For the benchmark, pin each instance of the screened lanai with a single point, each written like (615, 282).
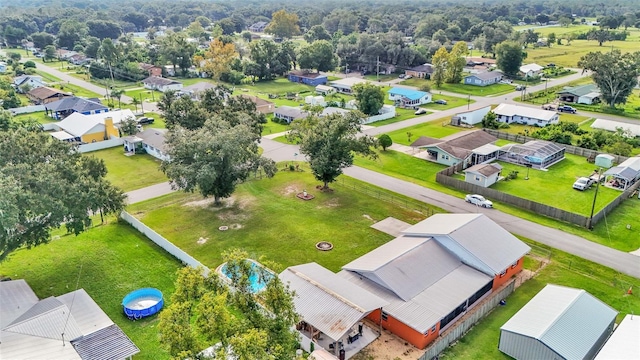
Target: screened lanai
(537, 153)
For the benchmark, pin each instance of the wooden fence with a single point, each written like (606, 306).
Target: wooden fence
(462, 326)
(613, 204)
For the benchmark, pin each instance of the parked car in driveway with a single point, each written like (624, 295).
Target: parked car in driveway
(145, 120)
(567, 109)
(441, 102)
(478, 200)
(420, 111)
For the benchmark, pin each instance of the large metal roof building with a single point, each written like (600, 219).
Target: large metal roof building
(624, 344)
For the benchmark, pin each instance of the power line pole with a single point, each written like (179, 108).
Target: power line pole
(378, 69)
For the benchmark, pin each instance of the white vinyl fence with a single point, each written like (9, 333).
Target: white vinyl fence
(84, 148)
(27, 109)
(162, 242)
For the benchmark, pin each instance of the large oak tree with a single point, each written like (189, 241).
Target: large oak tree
(616, 74)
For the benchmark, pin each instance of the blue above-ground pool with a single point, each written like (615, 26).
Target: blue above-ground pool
(142, 303)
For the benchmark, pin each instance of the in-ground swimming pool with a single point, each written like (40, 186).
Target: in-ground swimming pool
(142, 302)
(257, 284)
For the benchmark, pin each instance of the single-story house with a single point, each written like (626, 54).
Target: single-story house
(258, 27)
(306, 77)
(623, 344)
(333, 110)
(345, 85)
(484, 175)
(509, 113)
(3, 67)
(325, 90)
(624, 175)
(434, 272)
(484, 78)
(195, 90)
(30, 81)
(539, 154)
(44, 95)
(152, 70)
(69, 105)
(421, 71)
(161, 84)
(63, 54)
(87, 129)
(152, 141)
(558, 323)
(613, 125)
(289, 113)
(583, 94)
(331, 309)
(457, 150)
(408, 98)
(69, 326)
(475, 60)
(531, 70)
(263, 106)
(470, 117)
(79, 59)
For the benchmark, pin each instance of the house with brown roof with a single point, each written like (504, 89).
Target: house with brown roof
(459, 149)
(263, 106)
(44, 95)
(421, 71)
(152, 70)
(484, 175)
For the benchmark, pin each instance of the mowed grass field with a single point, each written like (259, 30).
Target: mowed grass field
(130, 172)
(267, 219)
(435, 129)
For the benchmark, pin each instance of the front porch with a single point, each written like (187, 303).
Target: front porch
(351, 343)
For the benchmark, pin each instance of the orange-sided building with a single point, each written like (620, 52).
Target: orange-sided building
(435, 271)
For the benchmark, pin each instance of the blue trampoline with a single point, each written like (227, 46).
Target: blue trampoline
(142, 303)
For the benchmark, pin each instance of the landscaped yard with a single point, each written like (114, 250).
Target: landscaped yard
(434, 129)
(272, 127)
(564, 269)
(59, 84)
(39, 116)
(144, 94)
(278, 86)
(266, 218)
(524, 129)
(452, 102)
(107, 261)
(130, 172)
(495, 89)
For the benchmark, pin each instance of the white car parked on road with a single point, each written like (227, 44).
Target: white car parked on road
(478, 200)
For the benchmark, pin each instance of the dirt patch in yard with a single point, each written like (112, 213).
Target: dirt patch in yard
(332, 203)
(389, 347)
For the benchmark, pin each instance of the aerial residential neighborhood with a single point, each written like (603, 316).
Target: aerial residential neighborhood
(319, 180)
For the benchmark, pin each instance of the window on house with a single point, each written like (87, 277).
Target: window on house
(385, 316)
(477, 178)
(503, 273)
(515, 264)
(433, 329)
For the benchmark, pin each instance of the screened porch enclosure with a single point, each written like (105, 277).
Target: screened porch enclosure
(538, 154)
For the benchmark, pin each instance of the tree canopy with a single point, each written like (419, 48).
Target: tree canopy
(509, 57)
(616, 74)
(217, 59)
(329, 142)
(283, 24)
(369, 98)
(44, 184)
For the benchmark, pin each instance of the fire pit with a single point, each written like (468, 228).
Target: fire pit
(324, 246)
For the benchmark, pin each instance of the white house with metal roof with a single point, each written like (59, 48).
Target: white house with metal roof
(435, 272)
(70, 326)
(558, 323)
(530, 70)
(624, 343)
(524, 115)
(345, 85)
(409, 98)
(630, 129)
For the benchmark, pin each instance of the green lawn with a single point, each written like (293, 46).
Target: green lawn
(524, 129)
(495, 89)
(272, 127)
(266, 218)
(110, 261)
(452, 102)
(401, 115)
(59, 84)
(569, 55)
(607, 285)
(130, 172)
(381, 78)
(434, 129)
(144, 94)
(278, 86)
(39, 116)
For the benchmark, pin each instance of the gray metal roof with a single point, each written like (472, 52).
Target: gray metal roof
(326, 301)
(487, 75)
(569, 321)
(87, 314)
(293, 112)
(624, 344)
(153, 137)
(428, 307)
(15, 297)
(474, 238)
(49, 318)
(384, 254)
(404, 274)
(109, 343)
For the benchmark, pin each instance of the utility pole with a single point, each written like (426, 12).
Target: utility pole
(595, 196)
(468, 101)
(346, 70)
(378, 69)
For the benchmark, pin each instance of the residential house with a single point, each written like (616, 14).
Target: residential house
(27, 82)
(333, 110)
(63, 54)
(623, 343)
(258, 27)
(79, 59)
(436, 271)
(161, 84)
(308, 78)
(85, 129)
(345, 85)
(480, 61)
(531, 70)
(484, 175)
(3, 67)
(325, 90)
(197, 89)
(470, 117)
(151, 69)
(538, 154)
(289, 114)
(421, 71)
(331, 309)
(45, 95)
(62, 108)
(152, 141)
(624, 175)
(407, 98)
(582, 94)
(459, 149)
(558, 323)
(69, 326)
(632, 130)
(509, 114)
(262, 106)
(484, 78)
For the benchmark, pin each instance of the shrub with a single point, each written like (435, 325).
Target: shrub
(385, 141)
(29, 64)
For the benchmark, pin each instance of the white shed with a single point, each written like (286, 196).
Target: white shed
(558, 323)
(605, 160)
(470, 117)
